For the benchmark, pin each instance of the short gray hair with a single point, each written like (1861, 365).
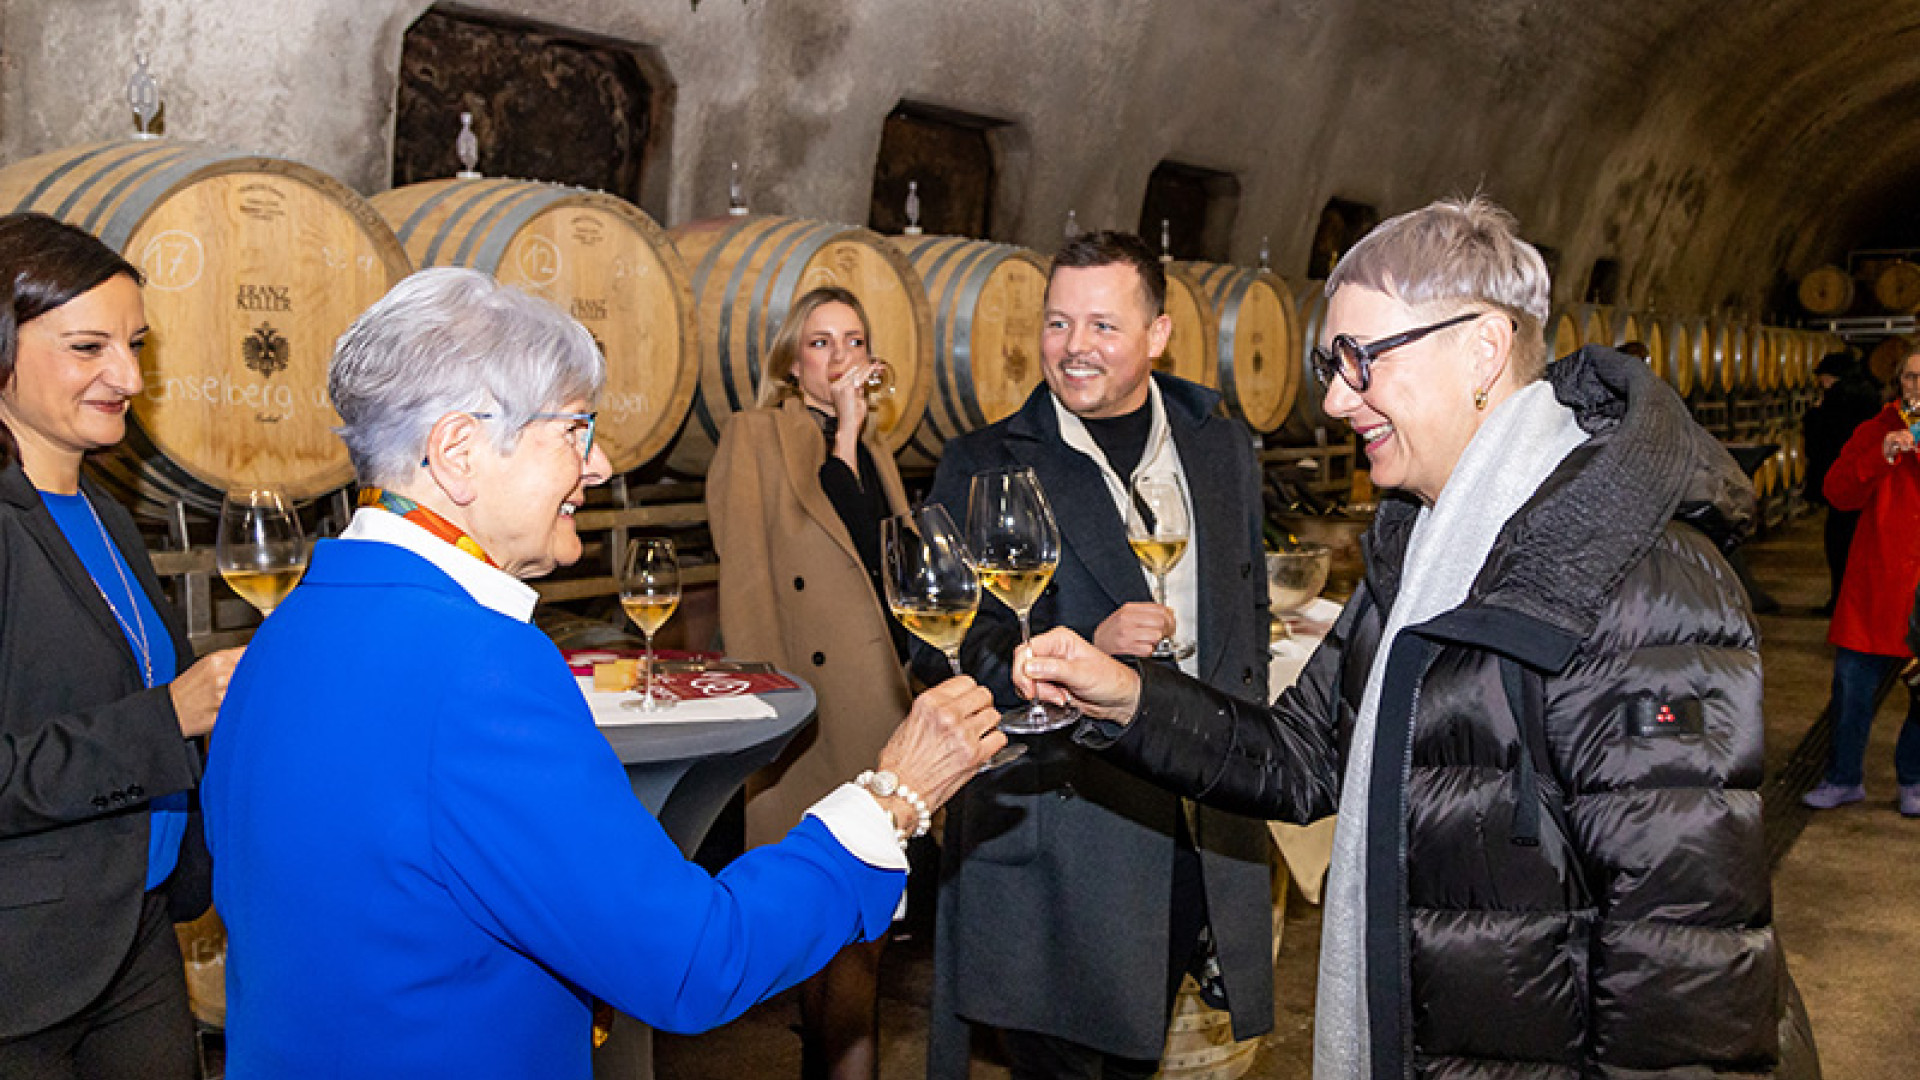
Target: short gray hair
(451, 340)
(1459, 251)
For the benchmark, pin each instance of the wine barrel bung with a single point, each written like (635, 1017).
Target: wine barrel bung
(596, 257)
(1256, 340)
(746, 273)
(1826, 290)
(1193, 352)
(987, 301)
(253, 266)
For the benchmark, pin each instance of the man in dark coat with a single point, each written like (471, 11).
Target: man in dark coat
(1074, 896)
(1848, 398)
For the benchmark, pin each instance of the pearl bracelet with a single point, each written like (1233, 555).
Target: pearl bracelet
(883, 784)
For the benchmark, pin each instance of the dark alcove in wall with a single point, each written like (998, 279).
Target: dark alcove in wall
(547, 104)
(950, 156)
(1342, 224)
(1198, 207)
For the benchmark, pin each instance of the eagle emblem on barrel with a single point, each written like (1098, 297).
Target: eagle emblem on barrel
(265, 350)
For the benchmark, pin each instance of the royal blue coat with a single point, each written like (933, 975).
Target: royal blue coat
(428, 858)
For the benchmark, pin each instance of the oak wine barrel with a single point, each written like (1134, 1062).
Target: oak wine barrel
(1654, 335)
(1689, 346)
(987, 301)
(596, 257)
(1896, 286)
(1563, 333)
(1192, 352)
(746, 272)
(1256, 341)
(1309, 416)
(1885, 359)
(1826, 290)
(253, 266)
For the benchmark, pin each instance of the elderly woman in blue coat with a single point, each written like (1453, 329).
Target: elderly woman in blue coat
(1539, 717)
(428, 857)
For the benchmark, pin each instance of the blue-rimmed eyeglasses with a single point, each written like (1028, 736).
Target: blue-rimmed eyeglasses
(1353, 361)
(582, 437)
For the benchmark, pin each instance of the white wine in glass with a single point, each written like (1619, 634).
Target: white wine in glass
(931, 588)
(1158, 531)
(258, 546)
(649, 593)
(1015, 546)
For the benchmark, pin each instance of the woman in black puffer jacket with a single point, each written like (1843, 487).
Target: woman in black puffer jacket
(1539, 717)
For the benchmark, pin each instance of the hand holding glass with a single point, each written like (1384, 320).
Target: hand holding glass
(1015, 546)
(649, 592)
(1158, 532)
(931, 588)
(258, 546)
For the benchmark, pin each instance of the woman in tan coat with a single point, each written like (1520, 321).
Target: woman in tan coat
(795, 496)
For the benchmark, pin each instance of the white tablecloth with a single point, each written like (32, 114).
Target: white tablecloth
(1308, 849)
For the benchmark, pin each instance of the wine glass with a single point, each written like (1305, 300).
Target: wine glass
(1158, 532)
(649, 591)
(879, 382)
(258, 547)
(931, 587)
(1295, 575)
(1015, 546)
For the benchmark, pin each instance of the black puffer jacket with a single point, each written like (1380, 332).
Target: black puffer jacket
(1566, 876)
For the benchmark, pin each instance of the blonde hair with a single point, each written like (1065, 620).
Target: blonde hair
(777, 382)
(1465, 251)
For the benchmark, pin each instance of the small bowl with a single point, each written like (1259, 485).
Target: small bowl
(1295, 576)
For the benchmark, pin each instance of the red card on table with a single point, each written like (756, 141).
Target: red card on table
(692, 676)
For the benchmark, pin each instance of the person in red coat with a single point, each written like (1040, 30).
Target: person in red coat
(1877, 474)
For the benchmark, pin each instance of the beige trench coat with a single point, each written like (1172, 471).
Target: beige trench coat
(793, 591)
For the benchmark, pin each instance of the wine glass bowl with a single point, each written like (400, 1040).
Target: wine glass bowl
(649, 593)
(1015, 546)
(258, 546)
(879, 380)
(1295, 576)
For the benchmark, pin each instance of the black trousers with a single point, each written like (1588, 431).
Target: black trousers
(1033, 1056)
(139, 1028)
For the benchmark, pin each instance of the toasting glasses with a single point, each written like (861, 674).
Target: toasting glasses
(931, 586)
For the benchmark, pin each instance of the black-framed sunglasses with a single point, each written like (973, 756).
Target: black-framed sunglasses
(1353, 361)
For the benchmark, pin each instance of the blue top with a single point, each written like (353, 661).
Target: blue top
(116, 579)
(429, 857)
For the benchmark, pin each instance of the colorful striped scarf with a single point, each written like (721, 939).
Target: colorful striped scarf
(426, 519)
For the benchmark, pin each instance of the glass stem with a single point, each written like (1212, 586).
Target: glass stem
(646, 691)
(953, 660)
(1034, 708)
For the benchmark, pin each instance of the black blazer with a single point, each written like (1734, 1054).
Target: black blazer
(83, 748)
(1059, 867)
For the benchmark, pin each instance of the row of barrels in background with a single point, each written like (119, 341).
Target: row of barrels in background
(255, 265)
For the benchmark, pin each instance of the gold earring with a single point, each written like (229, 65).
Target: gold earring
(1480, 399)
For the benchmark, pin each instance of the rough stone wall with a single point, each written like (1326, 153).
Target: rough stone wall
(1703, 148)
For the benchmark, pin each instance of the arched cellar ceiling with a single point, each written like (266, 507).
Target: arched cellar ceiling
(1708, 147)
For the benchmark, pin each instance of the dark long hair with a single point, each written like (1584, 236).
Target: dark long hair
(44, 263)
